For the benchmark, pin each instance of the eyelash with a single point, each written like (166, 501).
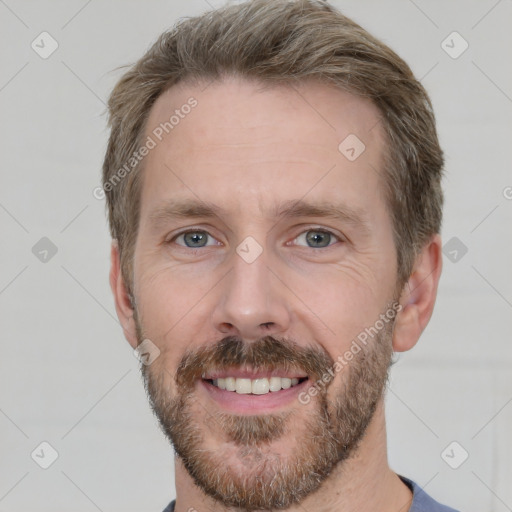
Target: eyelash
(317, 230)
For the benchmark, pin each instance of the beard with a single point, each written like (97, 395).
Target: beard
(269, 461)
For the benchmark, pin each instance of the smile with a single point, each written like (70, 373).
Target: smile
(262, 386)
(247, 391)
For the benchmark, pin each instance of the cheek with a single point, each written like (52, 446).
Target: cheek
(330, 298)
(342, 300)
(170, 303)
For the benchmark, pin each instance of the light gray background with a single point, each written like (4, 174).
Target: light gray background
(67, 375)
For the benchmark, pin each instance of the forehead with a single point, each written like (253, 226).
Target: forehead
(261, 143)
(239, 108)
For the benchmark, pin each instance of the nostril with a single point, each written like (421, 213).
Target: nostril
(225, 328)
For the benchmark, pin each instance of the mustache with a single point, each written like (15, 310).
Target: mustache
(268, 353)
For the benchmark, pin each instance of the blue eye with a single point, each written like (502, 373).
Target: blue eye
(317, 238)
(194, 239)
(313, 238)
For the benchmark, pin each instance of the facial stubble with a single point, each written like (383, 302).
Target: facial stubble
(242, 468)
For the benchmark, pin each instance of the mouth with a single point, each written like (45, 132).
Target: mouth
(250, 392)
(260, 386)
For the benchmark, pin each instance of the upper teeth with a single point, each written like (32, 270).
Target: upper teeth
(255, 386)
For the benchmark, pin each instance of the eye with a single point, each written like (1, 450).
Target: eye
(317, 238)
(193, 239)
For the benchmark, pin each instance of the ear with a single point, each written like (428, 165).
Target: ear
(122, 301)
(418, 296)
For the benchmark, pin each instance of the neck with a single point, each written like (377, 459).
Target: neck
(362, 483)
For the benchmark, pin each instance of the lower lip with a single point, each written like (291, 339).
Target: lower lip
(256, 404)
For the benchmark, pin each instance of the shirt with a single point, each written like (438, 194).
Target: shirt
(421, 501)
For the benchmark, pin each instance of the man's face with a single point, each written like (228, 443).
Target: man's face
(250, 281)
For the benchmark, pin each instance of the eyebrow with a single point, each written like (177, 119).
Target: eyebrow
(194, 209)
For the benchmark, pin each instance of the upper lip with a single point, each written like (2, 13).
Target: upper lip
(247, 373)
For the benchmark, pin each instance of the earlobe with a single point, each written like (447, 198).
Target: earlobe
(122, 300)
(418, 296)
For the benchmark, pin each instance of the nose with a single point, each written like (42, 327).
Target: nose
(252, 301)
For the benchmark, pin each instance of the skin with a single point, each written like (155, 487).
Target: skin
(248, 149)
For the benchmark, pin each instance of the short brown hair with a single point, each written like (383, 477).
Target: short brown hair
(284, 41)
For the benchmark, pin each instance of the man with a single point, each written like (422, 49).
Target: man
(273, 188)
